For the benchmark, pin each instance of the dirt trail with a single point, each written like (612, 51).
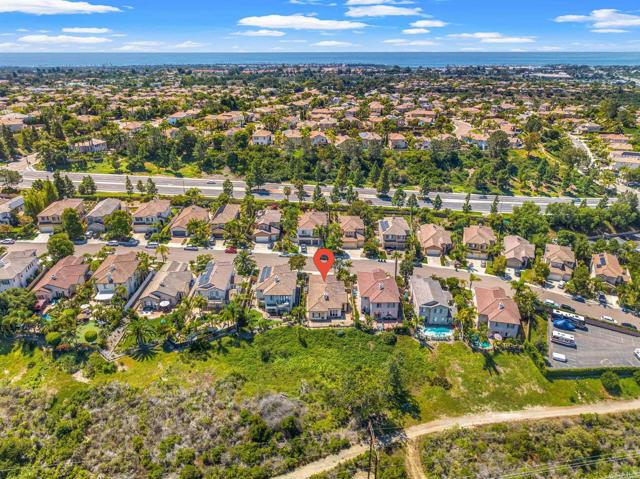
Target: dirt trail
(415, 432)
(412, 461)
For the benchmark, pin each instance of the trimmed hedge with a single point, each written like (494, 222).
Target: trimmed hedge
(561, 373)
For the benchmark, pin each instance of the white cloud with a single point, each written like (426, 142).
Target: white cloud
(333, 44)
(140, 46)
(549, 49)
(415, 31)
(382, 11)
(189, 44)
(62, 39)
(299, 22)
(429, 24)
(293, 41)
(86, 30)
(604, 18)
(53, 7)
(491, 37)
(261, 33)
(609, 30)
(401, 42)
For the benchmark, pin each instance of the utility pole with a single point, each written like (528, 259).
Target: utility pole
(372, 450)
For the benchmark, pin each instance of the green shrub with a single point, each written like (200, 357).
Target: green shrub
(91, 335)
(53, 339)
(636, 377)
(185, 456)
(96, 364)
(611, 382)
(190, 472)
(389, 339)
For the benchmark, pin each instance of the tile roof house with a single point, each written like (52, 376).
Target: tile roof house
(62, 280)
(430, 302)
(607, 267)
(479, 239)
(397, 141)
(379, 297)
(369, 139)
(96, 217)
(90, 146)
(277, 289)
(499, 312)
(17, 269)
(51, 217)
(434, 240)
(215, 284)
(119, 270)
(149, 215)
(308, 223)
(518, 252)
(178, 225)
(327, 302)
(393, 232)
(267, 226)
(561, 261)
(168, 287)
(223, 215)
(262, 137)
(352, 231)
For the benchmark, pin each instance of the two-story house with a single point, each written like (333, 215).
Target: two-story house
(518, 252)
(394, 233)
(223, 215)
(18, 268)
(262, 138)
(606, 267)
(352, 231)
(267, 226)
(431, 303)
(308, 224)
(379, 297)
(115, 272)
(62, 280)
(215, 284)
(9, 207)
(277, 289)
(499, 312)
(434, 240)
(327, 302)
(150, 216)
(479, 241)
(51, 217)
(96, 217)
(561, 261)
(179, 224)
(168, 287)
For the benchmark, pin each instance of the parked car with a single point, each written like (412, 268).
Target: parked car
(231, 250)
(636, 352)
(564, 324)
(608, 319)
(129, 242)
(190, 247)
(303, 249)
(211, 182)
(630, 326)
(8, 241)
(559, 357)
(152, 245)
(483, 263)
(566, 307)
(550, 302)
(82, 240)
(112, 243)
(578, 298)
(284, 254)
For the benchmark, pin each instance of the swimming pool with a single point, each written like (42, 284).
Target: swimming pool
(437, 333)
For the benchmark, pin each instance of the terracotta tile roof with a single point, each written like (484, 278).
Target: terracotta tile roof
(189, 213)
(497, 306)
(57, 207)
(477, 234)
(518, 248)
(323, 296)
(117, 268)
(378, 287)
(434, 236)
(152, 208)
(65, 273)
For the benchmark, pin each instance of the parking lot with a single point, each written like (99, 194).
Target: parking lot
(596, 347)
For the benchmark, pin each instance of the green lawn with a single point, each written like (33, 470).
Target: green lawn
(283, 359)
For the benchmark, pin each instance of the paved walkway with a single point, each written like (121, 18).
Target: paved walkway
(415, 432)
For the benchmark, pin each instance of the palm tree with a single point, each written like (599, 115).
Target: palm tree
(472, 278)
(396, 255)
(286, 191)
(139, 329)
(163, 251)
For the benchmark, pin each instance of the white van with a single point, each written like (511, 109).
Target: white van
(559, 357)
(608, 319)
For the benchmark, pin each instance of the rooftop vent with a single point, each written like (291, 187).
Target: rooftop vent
(501, 306)
(380, 286)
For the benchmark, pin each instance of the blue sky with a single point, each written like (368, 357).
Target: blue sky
(318, 25)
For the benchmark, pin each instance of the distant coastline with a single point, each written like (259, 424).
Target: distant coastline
(401, 59)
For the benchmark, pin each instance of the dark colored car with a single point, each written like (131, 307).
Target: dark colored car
(566, 307)
(630, 326)
(231, 250)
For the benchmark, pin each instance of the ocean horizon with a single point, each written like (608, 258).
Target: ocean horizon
(401, 59)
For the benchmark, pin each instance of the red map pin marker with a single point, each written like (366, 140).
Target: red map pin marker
(323, 259)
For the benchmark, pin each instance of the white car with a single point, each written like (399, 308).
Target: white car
(608, 319)
(636, 352)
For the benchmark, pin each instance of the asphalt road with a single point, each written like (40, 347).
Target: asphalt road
(212, 187)
(590, 308)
